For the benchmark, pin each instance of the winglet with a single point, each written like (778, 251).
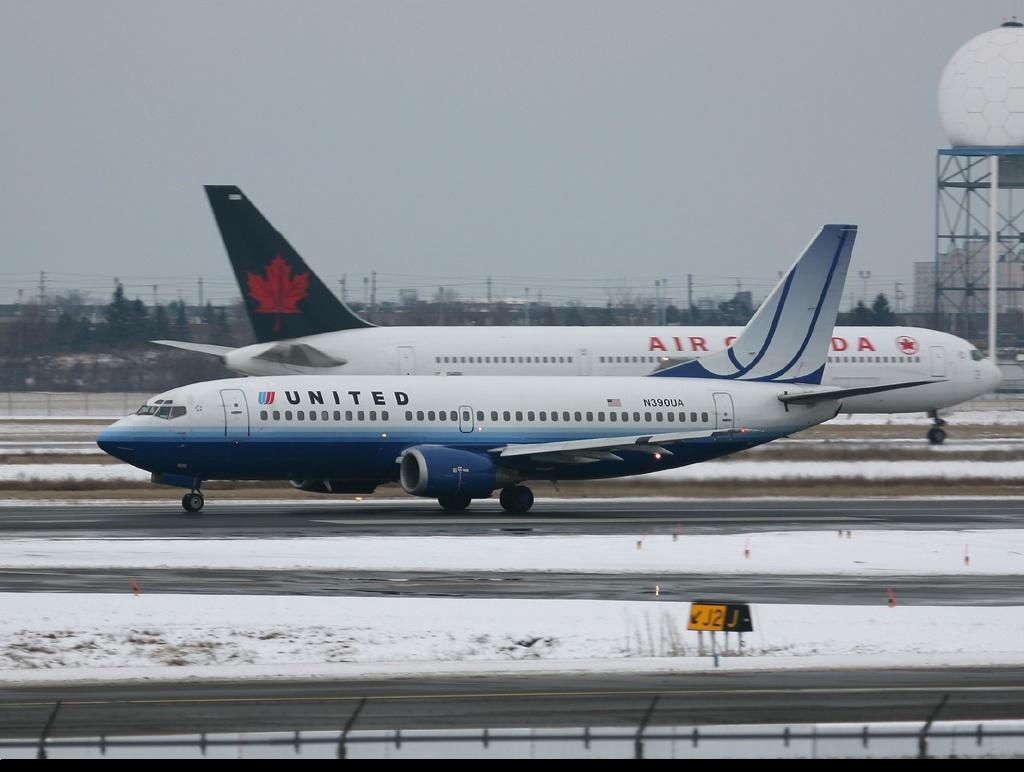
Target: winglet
(787, 340)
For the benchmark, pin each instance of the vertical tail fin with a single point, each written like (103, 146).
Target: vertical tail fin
(283, 297)
(787, 340)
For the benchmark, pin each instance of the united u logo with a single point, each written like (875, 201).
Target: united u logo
(267, 397)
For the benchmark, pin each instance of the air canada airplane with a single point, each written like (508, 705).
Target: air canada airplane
(303, 328)
(457, 439)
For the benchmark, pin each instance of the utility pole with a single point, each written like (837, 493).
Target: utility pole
(155, 295)
(898, 297)
(42, 288)
(526, 308)
(343, 277)
(488, 290)
(440, 311)
(373, 291)
(993, 257)
(200, 291)
(689, 297)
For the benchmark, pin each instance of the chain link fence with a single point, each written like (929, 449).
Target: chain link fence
(69, 404)
(948, 739)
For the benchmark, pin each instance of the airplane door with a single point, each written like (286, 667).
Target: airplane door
(583, 358)
(465, 419)
(236, 414)
(406, 360)
(938, 361)
(724, 417)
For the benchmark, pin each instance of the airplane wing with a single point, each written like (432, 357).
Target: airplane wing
(202, 348)
(602, 448)
(812, 397)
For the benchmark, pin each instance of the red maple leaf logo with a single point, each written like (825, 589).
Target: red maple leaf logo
(278, 293)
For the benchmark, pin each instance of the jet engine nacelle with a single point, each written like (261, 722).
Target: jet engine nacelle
(334, 486)
(434, 470)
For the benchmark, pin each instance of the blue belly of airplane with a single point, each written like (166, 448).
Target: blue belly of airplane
(318, 455)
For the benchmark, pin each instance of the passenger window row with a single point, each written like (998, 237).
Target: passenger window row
(506, 360)
(323, 415)
(877, 360)
(452, 416)
(564, 416)
(628, 359)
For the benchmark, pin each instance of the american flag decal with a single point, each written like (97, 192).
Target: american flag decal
(267, 397)
(615, 403)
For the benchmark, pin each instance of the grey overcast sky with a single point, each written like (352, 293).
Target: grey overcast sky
(546, 139)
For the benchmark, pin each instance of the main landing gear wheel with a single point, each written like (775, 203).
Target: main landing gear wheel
(453, 503)
(192, 502)
(516, 499)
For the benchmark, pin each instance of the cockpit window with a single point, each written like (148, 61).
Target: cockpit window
(976, 355)
(162, 410)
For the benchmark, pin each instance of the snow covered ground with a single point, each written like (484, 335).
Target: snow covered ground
(62, 637)
(957, 417)
(69, 636)
(881, 553)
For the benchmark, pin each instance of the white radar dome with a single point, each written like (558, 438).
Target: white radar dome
(981, 94)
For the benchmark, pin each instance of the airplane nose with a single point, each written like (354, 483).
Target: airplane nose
(994, 375)
(111, 440)
(105, 438)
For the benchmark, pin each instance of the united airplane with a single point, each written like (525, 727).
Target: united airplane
(458, 439)
(304, 329)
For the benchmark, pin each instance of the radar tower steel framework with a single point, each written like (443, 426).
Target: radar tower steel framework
(964, 236)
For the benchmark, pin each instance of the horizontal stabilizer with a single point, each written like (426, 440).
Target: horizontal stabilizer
(300, 355)
(814, 397)
(202, 348)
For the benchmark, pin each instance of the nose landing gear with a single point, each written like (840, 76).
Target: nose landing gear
(936, 435)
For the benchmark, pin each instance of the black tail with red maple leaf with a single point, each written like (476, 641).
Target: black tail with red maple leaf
(284, 298)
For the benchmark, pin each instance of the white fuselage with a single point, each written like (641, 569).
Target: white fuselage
(357, 427)
(859, 356)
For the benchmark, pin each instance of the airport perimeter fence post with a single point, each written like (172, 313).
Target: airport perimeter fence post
(922, 739)
(638, 741)
(41, 753)
(348, 727)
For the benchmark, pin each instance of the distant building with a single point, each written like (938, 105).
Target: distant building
(963, 274)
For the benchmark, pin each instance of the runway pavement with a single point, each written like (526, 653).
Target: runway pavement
(549, 700)
(814, 589)
(286, 520)
(222, 519)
